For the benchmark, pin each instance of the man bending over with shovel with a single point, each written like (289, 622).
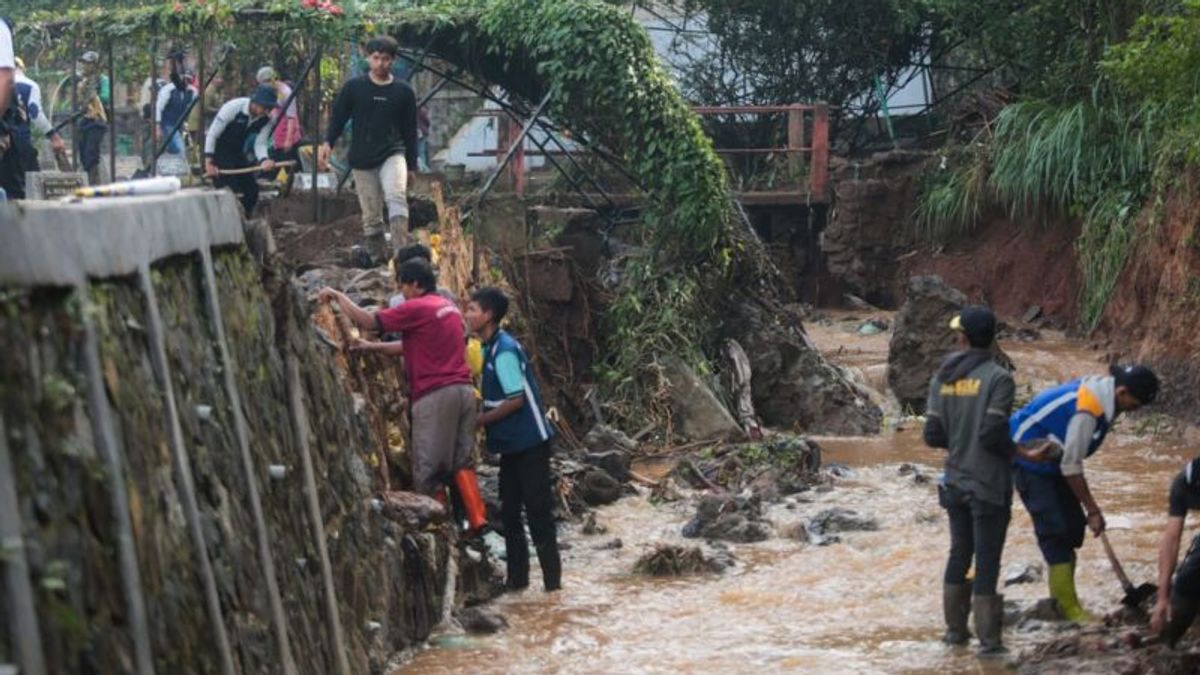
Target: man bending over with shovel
(1178, 602)
(225, 159)
(1073, 420)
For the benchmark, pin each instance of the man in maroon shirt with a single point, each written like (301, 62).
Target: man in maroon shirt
(443, 398)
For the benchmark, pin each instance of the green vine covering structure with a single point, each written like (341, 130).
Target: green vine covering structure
(605, 83)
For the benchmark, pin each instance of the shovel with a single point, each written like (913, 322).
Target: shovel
(1134, 597)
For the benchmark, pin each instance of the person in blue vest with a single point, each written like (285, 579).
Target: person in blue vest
(174, 101)
(1073, 419)
(517, 431)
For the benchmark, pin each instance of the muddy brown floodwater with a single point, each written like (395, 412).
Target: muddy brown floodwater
(871, 604)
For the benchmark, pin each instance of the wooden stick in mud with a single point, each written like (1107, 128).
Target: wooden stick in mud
(253, 169)
(354, 362)
(638, 478)
(703, 479)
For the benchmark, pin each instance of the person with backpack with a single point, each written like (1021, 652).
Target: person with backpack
(174, 100)
(92, 92)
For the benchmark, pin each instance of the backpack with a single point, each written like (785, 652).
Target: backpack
(177, 104)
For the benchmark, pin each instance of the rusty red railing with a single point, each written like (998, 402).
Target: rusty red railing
(807, 147)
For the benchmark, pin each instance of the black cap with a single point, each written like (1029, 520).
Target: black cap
(978, 324)
(1140, 381)
(265, 96)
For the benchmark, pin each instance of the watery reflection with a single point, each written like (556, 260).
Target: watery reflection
(869, 604)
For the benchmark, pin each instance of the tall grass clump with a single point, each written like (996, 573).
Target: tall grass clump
(1092, 159)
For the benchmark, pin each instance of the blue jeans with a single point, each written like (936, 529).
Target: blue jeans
(175, 142)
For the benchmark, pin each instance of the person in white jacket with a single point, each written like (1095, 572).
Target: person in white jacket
(224, 144)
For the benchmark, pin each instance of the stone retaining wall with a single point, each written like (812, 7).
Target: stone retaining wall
(183, 471)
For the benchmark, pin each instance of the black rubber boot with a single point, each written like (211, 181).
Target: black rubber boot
(1183, 613)
(989, 624)
(551, 562)
(956, 606)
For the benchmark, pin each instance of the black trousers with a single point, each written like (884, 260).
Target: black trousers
(525, 483)
(91, 136)
(977, 529)
(1058, 518)
(245, 185)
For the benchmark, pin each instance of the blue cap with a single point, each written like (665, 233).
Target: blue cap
(265, 95)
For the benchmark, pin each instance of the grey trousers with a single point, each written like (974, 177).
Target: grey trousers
(387, 185)
(443, 435)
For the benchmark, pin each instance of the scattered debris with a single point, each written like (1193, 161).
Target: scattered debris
(614, 462)
(873, 327)
(1024, 573)
(669, 560)
(603, 438)
(591, 527)
(725, 518)
(835, 520)
(481, 620)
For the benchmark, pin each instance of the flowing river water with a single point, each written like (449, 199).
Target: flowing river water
(870, 604)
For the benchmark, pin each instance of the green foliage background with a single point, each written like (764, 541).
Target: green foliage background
(1105, 125)
(605, 84)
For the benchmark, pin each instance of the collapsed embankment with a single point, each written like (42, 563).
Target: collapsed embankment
(872, 247)
(1153, 315)
(184, 470)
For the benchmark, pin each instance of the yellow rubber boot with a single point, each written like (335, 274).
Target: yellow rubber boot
(1062, 589)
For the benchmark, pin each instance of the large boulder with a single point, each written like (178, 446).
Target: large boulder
(596, 487)
(922, 338)
(793, 385)
(697, 412)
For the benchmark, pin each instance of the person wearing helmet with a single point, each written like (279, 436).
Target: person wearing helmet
(236, 122)
(92, 93)
(1071, 420)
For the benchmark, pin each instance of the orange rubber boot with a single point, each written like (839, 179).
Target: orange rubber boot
(468, 492)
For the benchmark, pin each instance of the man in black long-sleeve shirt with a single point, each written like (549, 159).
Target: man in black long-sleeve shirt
(383, 150)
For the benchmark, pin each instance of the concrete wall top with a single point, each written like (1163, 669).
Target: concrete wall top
(65, 244)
